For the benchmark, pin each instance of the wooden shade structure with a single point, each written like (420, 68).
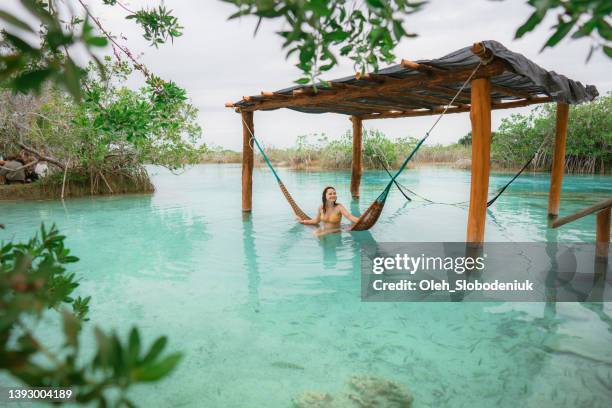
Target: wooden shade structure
(502, 80)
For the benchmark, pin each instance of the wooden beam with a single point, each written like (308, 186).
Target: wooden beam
(417, 96)
(602, 205)
(602, 237)
(402, 99)
(438, 110)
(247, 161)
(347, 106)
(357, 168)
(419, 67)
(558, 163)
(464, 95)
(480, 116)
(509, 91)
(495, 68)
(383, 107)
(274, 95)
(481, 51)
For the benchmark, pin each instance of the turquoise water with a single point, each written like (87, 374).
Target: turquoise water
(264, 311)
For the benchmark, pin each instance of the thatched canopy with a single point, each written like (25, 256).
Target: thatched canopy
(425, 87)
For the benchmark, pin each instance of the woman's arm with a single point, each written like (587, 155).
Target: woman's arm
(314, 221)
(347, 213)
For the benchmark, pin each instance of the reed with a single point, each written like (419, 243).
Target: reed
(78, 185)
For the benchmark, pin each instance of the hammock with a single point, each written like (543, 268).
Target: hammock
(495, 195)
(296, 209)
(371, 215)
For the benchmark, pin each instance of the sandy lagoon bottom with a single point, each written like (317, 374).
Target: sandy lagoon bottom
(264, 311)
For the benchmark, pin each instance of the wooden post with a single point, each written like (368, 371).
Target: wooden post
(558, 163)
(247, 161)
(357, 155)
(480, 115)
(602, 240)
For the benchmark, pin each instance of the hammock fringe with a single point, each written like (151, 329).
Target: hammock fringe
(296, 209)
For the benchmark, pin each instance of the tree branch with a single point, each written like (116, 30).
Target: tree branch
(42, 157)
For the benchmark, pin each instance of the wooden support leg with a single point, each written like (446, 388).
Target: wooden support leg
(480, 115)
(558, 163)
(602, 240)
(357, 156)
(247, 161)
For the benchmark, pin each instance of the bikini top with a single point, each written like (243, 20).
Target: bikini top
(333, 218)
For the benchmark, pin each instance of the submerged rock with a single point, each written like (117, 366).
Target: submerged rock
(363, 391)
(368, 391)
(314, 399)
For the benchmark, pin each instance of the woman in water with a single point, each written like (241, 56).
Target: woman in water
(330, 213)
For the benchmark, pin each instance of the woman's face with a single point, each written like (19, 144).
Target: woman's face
(330, 195)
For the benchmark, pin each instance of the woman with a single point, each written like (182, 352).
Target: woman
(330, 213)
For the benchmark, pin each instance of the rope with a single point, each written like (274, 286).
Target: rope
(266, 159)
(428, 133)
(497, 192)
(296, 208)
(378, 156)
(371, 215)
(501, 190)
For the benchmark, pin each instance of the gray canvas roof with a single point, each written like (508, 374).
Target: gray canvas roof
(520, 75)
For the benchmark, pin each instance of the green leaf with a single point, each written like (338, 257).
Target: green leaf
(604, 29)
(319, 7)
(398, 29)
(562, 29)
(346, 49)
(97, 41)
(607, 51)
(18, 43)
(302, 81)
(307, 52)
(154, 372)
(133, 345)
(375, 3)
(72, 79)
(529, 25)
(327, 67)
(31, 80)
(336, 36)
(11, 19)
(156, 349)
(585, 29)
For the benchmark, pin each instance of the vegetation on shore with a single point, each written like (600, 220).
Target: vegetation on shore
(518, 138)
(100, 144)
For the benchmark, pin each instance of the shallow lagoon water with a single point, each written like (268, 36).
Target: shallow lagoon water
(264, 311)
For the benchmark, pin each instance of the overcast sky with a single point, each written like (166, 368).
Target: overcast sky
(218, 61)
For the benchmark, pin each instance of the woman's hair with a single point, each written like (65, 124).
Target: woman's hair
(324, 194)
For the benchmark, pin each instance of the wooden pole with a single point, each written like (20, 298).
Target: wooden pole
(247, 161)
(480, 116)
(558, 163)
(357, 156)
(602, 239)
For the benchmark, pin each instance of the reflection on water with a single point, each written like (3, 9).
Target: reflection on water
(250, 260)
(265, 311)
